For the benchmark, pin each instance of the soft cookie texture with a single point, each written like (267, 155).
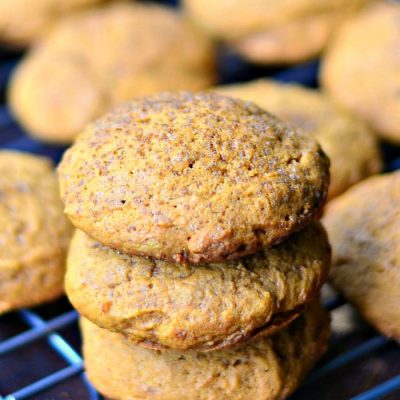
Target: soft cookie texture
(34, 233)
(350, 145)
(23, 22)
(364, 229)
(273, 31)
(265, 369)
(192, 177)
(361, 68)
(159, 304)
(102, 57)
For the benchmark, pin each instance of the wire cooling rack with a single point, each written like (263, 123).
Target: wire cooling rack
(40, 349)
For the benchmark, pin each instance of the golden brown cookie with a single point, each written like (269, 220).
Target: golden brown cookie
(272, 31)
(160, 304)
(364, 229)
(23, 22)
(361, 68)
(350, 145)
(101, 58)
(34, 233)
(192, 177)
(265, 369)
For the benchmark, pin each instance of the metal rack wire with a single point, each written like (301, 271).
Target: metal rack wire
(37, 328)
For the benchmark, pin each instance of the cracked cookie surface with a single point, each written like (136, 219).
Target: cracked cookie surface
(192, 177)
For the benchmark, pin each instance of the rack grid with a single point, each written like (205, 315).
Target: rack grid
(36, 328)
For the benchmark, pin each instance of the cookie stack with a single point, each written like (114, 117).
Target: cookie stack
(197, 262)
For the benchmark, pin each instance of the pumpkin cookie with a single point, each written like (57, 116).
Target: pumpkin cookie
(272, 31)
(361, 68)
(265, 369)
(192, 177)
(25, 21)
(160, 305)
(34, 233)
(350, 145)
(364, 229)
(103, 57)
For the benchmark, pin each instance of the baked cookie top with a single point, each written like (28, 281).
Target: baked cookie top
(159, 304)
(364, 229)
(361, 67)
(264, 369)
(273, 31)
(350, 145)
(102, 57)
(192, 177)
(34, 232)
(23, 22)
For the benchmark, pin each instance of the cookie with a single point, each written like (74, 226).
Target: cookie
(102, 57)
(364, 229)
(192, 177)
(265, 369)
(23, 22)
(350, 145)
(275, 31)
(34, 233)
(361, 67)
(159, 304)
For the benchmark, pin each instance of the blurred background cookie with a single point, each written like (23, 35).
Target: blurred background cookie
(264, 369)
(159, 305)
(102, 57)
(361, 67)
(273, 31)
(34, 232)
(22, 22)
(192, 177)
(364, 229)
(350, 145)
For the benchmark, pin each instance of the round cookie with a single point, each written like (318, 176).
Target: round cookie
(351, 147)
(364, 229)
(34, 233)
(102, 57)
(272, 31)
(192, 177)
(160, 305)
(23, 22)
(266, 369)
(361, 68)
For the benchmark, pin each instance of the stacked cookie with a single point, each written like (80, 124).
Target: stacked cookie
(197, 262)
